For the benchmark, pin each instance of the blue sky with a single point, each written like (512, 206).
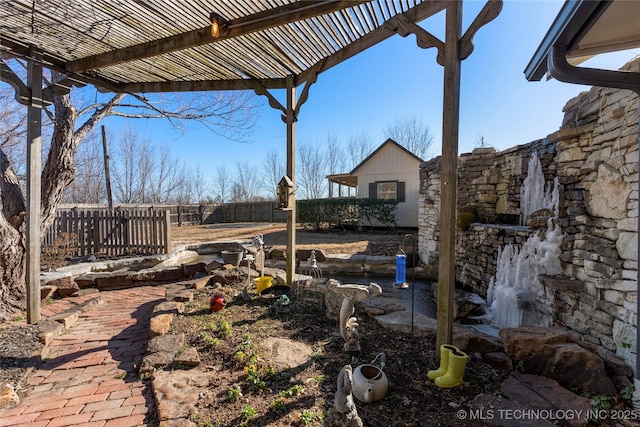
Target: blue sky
(397, 78)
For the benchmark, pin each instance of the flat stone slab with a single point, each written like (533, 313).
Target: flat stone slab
(176, 392)
(400, 321)
(283, 353)
(547, 396)
(500, 411)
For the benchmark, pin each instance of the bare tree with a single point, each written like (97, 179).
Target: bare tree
(412, 133)
(222, 184)
(336, 162)
(274, 171)
(246, 187)
(358, 148)
(89, 184)
(72, 120)
(198, 185)
(312, 171)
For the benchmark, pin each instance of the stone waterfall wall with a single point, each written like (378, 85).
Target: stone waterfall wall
(595, 156)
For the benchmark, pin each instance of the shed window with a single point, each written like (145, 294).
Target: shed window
(387, 190)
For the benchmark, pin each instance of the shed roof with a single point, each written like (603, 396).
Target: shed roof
(389, 141)
(142, 46)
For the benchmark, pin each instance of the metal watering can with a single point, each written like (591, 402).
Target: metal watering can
(370, 383)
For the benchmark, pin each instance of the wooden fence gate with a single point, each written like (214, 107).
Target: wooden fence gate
(117, 233)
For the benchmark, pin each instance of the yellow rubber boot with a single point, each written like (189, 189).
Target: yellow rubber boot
(455, 370)
(445, 350)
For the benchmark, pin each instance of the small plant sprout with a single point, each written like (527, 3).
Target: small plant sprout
(279, 406)
(307, 417)
(233, 394)
(247, 412)
(224, 327)
(292, 391)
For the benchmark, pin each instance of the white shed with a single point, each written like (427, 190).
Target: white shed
(390, 172)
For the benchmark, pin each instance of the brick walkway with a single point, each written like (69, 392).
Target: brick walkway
(88, 377)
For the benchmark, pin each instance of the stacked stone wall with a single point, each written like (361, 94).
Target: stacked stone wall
(595, 157)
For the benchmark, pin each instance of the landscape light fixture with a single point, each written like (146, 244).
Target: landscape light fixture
(219, 25)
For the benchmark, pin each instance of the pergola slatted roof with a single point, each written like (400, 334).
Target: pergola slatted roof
(166, 45)
(146, 46)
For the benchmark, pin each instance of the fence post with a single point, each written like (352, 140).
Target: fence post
(96, 232)
(167, 234)
(179, 217)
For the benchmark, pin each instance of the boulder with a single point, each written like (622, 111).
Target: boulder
(552, 352)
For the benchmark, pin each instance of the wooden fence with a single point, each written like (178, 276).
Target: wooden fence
(117, 233)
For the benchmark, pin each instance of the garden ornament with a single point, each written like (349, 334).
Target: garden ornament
(345, 413)
(370, 383)
(351, 294)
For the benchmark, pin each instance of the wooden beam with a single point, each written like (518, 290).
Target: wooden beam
(449, 182)
(415, 14)
(237, 27)
(291, 173)
(203, 85)
(34, 156)
(12, 49)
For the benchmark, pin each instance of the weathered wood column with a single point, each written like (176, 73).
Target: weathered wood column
(291, 173)
(34, 160)
(450, 123)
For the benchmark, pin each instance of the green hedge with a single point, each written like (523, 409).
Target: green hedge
(322, 213)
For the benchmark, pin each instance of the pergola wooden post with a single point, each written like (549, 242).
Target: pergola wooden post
(450, 124)
(291, 173)
(34, 153)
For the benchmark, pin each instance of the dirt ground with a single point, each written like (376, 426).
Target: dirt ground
(251, 390)
(373, 242)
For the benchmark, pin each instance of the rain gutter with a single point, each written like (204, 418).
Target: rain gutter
(560, 69)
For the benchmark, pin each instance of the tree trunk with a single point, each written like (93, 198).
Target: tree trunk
(12, 244)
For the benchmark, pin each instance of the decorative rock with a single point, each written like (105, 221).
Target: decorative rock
(282, 353)
(8, 396)
(179, 293)
(191, 269)
(86, 291)
(161, 351)
(65, 286)
(212, 266)
(177, 392)
(551, 352)
(114, 281)
(467, 303)
(374, 311)
(160, 324)
(188, 358)
(47, 291)
(169, 307)
(48, 331)
(485, 402)
(498, 360)
(541, 393)
(172, 274)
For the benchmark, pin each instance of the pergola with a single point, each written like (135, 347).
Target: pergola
(583, 29)
(143, 46)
